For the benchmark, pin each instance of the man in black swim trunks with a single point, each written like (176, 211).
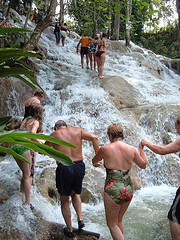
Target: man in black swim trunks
(174, 212)
(69, 178)
(84, 41)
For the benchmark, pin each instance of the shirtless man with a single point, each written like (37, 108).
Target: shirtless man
(100, 54)
(69, 178)
(174, 212)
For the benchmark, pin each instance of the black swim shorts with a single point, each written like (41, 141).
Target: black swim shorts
(174, 212)
(70, 178)
(84, 50)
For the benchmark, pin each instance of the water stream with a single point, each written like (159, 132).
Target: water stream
(83, 103)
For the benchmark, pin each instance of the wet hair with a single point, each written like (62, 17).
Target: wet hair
(177, 120)
(60, 123)
(39, 93)
(104, 34)
(36, 112)
(116, 131)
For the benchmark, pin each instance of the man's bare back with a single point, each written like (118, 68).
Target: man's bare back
(74, 136)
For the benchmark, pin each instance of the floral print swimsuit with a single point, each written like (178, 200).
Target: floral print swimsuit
(118, 185)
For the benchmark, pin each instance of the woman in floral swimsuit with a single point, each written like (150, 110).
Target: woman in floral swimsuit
(118, 191)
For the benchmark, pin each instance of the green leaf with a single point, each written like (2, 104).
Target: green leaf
(12, 153)
(38, 147)
(27, 82)
(3, 121)
(13, 71)
(33, 80)
(26, 134)
(7, 53)
(13, 30)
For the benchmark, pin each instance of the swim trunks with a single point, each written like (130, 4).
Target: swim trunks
(118, 185)
(174, 212)
(70, 178)
(99, 53)
(84, 50)
(20, 149)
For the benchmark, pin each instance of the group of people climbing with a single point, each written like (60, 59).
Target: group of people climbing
(94, 49)
(118, 158)
(60, 32)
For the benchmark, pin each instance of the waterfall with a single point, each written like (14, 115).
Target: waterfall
(75, 96)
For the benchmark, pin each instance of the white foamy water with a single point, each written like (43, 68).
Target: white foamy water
(85, 104)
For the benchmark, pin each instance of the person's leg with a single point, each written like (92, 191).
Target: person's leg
(87, 59)
(65, 209)
(90, 58)
(112, 212)
(63, 40)
(82, 60)
(98, 64)
(101, 64)
(175, 230)
(26, 179)
(76, 201)
(124, 207)
(94, 61)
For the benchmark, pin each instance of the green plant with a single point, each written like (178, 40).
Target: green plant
(20, 137)
(11, 60)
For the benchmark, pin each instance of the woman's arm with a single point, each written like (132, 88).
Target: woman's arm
(34, 130)
(96, 161)
(140, 159)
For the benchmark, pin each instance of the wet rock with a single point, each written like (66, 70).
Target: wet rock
(122, 94)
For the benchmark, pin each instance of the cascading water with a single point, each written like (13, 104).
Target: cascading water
(74, 95)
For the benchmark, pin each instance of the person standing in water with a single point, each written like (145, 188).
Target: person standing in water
(100, 54)
(92, 52)
(32, 123)
(118, 190)
(69, 178)
(174, 212)
(84, 42)
(63, 32)
(36, 99)
(57, 32)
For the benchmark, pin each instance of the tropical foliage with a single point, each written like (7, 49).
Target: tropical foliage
(12, 65)
(20, 137)
(11, 60)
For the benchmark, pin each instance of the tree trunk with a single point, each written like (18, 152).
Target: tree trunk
(40, 27)
(61, 13)
(117, 21)
(178, 11)
(128, 14)
(109, 22)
